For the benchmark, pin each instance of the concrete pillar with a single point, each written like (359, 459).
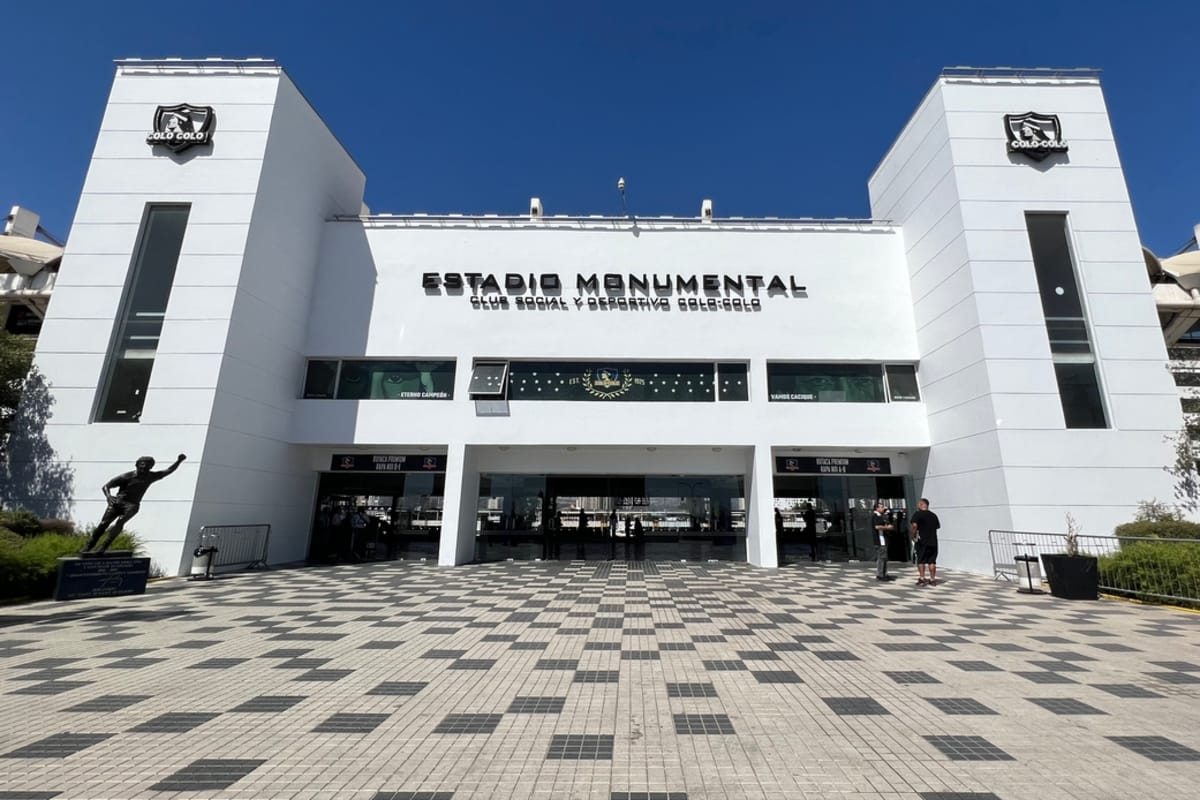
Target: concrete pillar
(760, 509)
(457, 544)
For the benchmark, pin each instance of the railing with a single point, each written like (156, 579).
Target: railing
(237, 545)
(1145, 568)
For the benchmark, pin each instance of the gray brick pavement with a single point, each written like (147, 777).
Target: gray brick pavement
(597, 681)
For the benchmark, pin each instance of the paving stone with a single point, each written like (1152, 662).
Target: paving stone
(691, 690)
(536, 705)
(581, 747)
(59, 745)
(350, 723)
(175, 722)
(462, 724)
(968, 748)
(268, 704)
(208, 774)
(1064, 705)
(703, 724)
(911, 676)
(109, 703)
(855, 706)
(1127, 690)
(1157, 748)
(960, 706)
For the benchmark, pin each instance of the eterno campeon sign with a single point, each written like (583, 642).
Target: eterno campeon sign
(179, 127)
(1034, 135)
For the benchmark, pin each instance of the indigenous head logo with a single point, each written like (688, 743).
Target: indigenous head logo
(179, 127)
(346, 462)
(873, 465)
(791, 465)
(607, 382)
(1033, 134)
(429, 462)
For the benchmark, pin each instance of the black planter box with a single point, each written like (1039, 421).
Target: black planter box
(1072, 577)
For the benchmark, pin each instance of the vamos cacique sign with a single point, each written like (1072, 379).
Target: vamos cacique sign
(608, 291)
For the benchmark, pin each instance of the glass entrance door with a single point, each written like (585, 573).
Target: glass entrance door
(828, 518)
(607, 517)
(373, 517)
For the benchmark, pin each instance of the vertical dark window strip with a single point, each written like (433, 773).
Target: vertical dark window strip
(130, 358)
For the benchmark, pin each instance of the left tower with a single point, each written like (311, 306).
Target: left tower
(179, 318)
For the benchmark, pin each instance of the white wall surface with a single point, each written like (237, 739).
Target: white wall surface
(1001, 455)
(125, 174)
(251, 472)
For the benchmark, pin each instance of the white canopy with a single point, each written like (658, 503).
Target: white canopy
(27, 256)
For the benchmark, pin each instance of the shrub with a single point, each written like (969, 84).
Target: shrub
(1154, 568)
(21, 522)
(29, 565)
(1160, 529)
(58, 526)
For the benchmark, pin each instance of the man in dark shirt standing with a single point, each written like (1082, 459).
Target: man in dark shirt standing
(924, 525)
(131, 488)
(881, 524)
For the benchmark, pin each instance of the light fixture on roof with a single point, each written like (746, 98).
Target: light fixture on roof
(535, 207)
(706, 210)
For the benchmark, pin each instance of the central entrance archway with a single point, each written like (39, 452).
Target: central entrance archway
(610, 517)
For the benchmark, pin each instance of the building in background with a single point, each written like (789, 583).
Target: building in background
(28, 269)
(474, 388)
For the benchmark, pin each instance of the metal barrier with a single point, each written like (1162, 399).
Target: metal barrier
(237, 545)
(1146, 568)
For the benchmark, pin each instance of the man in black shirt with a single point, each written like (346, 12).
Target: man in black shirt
(131, 488)
(881, 524)
(924, 525)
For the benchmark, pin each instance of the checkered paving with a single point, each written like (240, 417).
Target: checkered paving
(598, 681)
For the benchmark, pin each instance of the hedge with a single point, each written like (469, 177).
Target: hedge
(1160, 529)
(1154, 568)
(29, 564)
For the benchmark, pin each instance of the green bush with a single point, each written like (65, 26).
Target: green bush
(1154, 568)
(1160, 529)
(29, 564)
(21, 522)
(58, 526)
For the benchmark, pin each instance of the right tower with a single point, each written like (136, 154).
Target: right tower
(1042, 359)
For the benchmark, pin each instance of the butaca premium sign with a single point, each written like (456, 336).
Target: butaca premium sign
(179, 127)
(1034, 135)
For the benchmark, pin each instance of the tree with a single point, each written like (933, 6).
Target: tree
(1186, 470)
(16, 357)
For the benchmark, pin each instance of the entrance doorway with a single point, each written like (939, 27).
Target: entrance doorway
(828, 517)
(610, 517)
(375, 517)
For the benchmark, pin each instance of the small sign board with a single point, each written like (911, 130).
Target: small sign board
(83, 578)
(832, 465)
(385, 462)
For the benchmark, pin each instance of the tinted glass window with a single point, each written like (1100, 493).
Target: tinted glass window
(733, 382)
(825, 383)
(396, 380)
(1052, 262)
(1080, 393)
(131, 359)
(320, 380)
(614, 381)
(902, 382)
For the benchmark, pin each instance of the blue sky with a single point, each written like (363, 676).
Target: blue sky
(768, 108)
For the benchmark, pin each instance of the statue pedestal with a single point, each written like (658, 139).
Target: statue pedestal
(112, 574)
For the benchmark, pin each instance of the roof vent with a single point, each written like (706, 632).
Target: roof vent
(21, 222)
(706, 211)
(535, 207)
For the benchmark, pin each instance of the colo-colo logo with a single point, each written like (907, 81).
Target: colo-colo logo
(181, 126)
(1034, 135)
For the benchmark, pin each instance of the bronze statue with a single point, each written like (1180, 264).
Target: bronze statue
(131, 487)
